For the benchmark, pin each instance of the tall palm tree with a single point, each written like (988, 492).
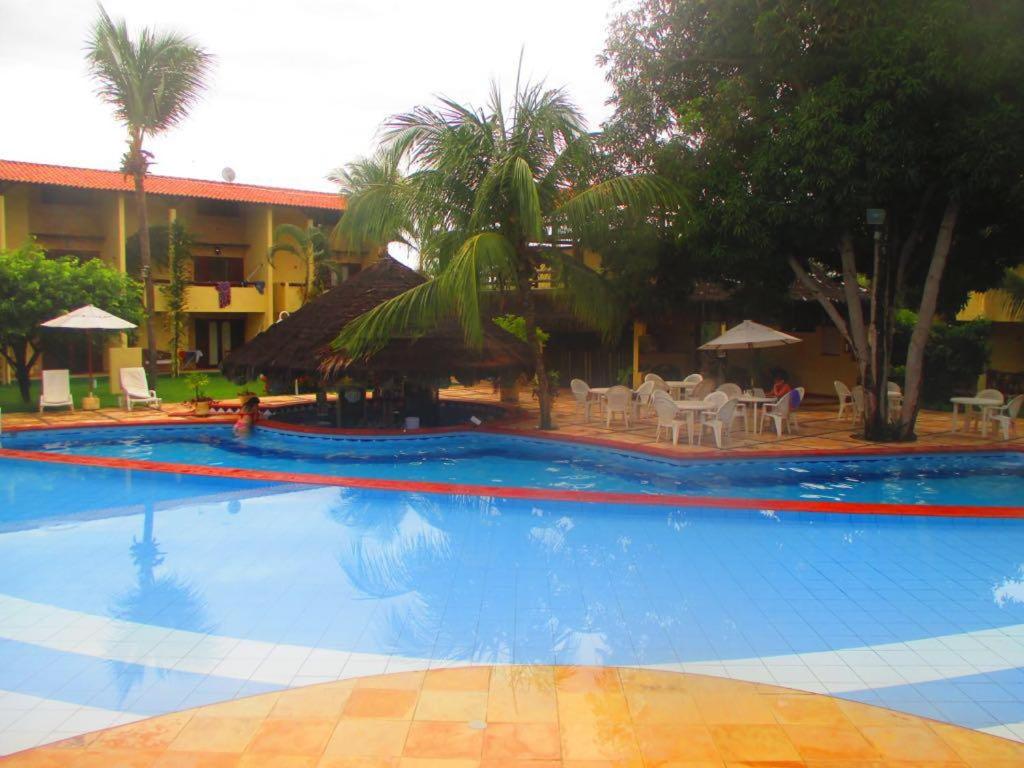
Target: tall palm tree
(309, 245)
(152, 82)
(500, 198)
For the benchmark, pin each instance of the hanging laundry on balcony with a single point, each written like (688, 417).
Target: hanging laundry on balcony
(223, 293)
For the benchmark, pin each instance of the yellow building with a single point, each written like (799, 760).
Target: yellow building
(91, 213)
(1006, 366)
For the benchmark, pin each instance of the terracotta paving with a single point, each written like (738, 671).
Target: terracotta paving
(819, 429)
(532, 717)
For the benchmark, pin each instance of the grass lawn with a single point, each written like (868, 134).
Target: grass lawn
(170, 389)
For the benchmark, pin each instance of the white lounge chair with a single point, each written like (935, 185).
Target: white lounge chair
(719, 422)
(581, 393)
(667, 413)
(857, 393)
(985, 413)
(135, 389)
(895, 396)
(845, 398)
(618, 399)
(56, 390)
(1006, 417)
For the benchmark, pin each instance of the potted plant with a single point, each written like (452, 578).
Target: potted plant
(201, 401)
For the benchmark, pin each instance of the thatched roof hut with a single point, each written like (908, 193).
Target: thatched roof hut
(299, 345)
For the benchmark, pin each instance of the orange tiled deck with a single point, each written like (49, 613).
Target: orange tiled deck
(819, 431)
(532, 717)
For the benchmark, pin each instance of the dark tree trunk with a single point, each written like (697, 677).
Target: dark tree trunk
(21, 372)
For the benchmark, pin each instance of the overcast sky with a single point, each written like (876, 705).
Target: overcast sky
(299, 87)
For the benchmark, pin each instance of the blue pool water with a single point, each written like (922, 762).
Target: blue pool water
(325, 572)
(498, 460)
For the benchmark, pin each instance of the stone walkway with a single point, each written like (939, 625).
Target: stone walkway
(533, 717)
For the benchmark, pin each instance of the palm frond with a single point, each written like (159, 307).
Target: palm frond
(587, 294)
(523, 190)
(1013, 287)
(153, 80)
(455, 293)
(640, 194)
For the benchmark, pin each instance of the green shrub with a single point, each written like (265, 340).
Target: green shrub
(956, 355)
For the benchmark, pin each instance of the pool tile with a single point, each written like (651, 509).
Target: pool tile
(662, 743)
(196, 760)
(292, 736)
(321, 700)
(753, 742)
(391, 704)
(521, 741)
(658, 706)
(829, 742)
(443, 705)
(367, 739)
(443, 740)
(908, 743)
(215, 734)
(976, 748)
(799, 709)
(458, 679)
(274, 760)
(586, 679)
(749, 708)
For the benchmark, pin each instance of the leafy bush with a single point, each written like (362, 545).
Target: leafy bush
(956, 355)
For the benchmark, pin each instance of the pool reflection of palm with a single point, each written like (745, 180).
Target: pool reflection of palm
(164, 600)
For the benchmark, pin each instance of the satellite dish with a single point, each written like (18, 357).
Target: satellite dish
(228, 174)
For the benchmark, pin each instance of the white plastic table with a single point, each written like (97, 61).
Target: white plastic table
(677, 388)
(690, 408)
(983, 404)
(755, 400)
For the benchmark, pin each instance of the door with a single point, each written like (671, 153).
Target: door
(215, 338)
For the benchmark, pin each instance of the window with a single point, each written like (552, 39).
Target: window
(218, 269)
(225, 208)
(65, 196)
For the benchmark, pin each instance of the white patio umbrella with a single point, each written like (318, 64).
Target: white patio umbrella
(750, 335)
(89, 318)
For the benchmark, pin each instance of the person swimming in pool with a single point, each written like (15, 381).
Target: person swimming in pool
(248, 416)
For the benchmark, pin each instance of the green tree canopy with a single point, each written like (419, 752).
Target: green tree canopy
(34, 289)
(788, 119)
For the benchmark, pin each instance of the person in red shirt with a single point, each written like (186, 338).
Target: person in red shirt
(781, 386)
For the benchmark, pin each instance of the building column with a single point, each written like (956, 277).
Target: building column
(639, 329)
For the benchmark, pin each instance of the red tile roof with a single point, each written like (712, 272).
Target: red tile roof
(115, 181)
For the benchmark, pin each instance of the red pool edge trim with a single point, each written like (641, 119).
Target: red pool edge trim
(514, 492)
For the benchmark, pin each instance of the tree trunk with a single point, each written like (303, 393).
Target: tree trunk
(925, 316)
(21, 371)
(530, 320)
(145, 258)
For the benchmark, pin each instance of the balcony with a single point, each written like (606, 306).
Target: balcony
(204, 299)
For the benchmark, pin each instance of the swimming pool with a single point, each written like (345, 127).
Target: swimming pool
(985, 479)
(127, 593)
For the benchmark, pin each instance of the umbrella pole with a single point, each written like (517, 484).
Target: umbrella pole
(88, 355)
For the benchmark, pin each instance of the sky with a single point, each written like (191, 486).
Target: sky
(299, 87)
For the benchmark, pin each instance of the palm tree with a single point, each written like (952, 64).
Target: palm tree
(152, 82)
(310, 246)
(500, 199)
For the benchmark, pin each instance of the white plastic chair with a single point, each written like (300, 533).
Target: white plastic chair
(618, 399)
(719, 422)
(56, 390)
(690, 382)
(581, 393)
(857, 393)
(136, 389)
(702, 390)
(1006, 417)
(642, 397)
(779, 414)
(734, 391)
(667, 412)
(654, 377)
(895, 396)
(984, 413)
(845, 397)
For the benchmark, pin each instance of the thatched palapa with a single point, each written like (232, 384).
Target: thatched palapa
(299, 345)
